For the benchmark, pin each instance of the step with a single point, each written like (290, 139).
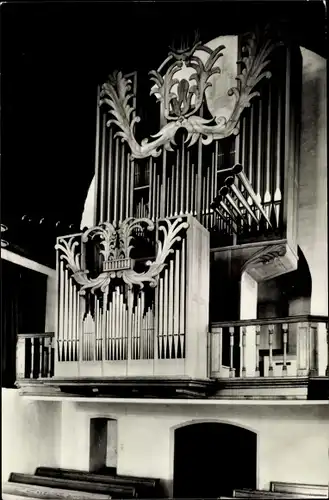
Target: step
(113, 490)
(142, 484)
(319, 490)
(18, 490)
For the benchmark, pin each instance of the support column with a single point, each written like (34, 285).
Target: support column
(248, 310)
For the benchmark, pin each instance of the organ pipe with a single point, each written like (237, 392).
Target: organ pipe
(102, 170)
(110, 194)
(97, 153)
(267, 195)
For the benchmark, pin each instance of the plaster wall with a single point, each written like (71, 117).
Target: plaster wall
(312, 225)
(292, 440)
(30, 432)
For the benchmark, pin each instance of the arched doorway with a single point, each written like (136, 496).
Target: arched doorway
(212, 459)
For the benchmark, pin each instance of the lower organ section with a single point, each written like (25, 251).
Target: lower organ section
(151, 319)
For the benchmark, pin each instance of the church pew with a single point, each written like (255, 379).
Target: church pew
(115, 491)
(8, 496)
(247, 493)
(318, 490)
(12, 491)
(145, 487)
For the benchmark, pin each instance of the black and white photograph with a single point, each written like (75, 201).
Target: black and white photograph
(164, 250)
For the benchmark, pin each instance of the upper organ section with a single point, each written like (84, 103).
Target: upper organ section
(232, 101)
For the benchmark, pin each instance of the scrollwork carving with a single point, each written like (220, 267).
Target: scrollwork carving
(178, 108)
(123, 237)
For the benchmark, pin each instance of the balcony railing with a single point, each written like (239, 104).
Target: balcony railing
(274, 347)
(34, 356)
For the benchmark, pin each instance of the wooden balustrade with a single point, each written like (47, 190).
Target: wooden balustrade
(35, 355)
(285, 347)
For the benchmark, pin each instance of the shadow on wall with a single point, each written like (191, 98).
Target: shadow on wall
(287, 295)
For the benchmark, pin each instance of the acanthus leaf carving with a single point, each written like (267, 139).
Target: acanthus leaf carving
(179, 111)
(123, 236)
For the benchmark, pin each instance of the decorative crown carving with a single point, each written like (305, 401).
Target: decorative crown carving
(182, 99)
(116, 248)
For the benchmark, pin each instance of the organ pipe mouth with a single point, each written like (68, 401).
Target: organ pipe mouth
(237, 169)
(223, 191)
(229, 181)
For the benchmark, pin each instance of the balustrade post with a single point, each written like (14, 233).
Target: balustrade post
(257, 371)
(320, 358)
(49, 357)
(32, 358)
(20, 358)
(244, 331)
(216, 351)
(232, 370)
(270, 345)
(303, 349)
(285, 342)
(41, 357)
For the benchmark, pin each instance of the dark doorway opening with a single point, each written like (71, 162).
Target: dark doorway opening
(103, 445)
(213, 459)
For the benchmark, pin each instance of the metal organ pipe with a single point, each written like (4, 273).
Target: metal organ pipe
(110, 194)
(61, 311)
(176, 325)
(181, 337)
(122, 186)
(154, 190)
(102, 171)
(176, 184)
(188, 182)
(183, 181)
(66, 314)
(116, 181)
(198, 183)
(193, 211)
(259, 153)
(151, 191)
(277, 192)
(163, 190)
(267, 195)
(170, 306)
(97, 154)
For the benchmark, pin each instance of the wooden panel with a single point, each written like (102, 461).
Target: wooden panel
(308, 489)
(13, 491)
(85, 486)
(197, 299)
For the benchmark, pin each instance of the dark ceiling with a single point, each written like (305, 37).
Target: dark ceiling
(53, 56)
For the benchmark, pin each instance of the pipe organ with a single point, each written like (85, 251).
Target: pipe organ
(116, 324)
(186, 178)
(134, 288)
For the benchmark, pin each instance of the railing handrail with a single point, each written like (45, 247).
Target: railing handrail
(36, 335)
(306, 318)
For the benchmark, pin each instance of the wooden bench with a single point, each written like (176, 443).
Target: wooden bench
(145, 487)
(247, 493)
(315, 490)
(11, 491)
(112, 490)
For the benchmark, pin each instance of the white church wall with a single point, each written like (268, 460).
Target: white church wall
(293, 441)
(312, 231)
(30, 432)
